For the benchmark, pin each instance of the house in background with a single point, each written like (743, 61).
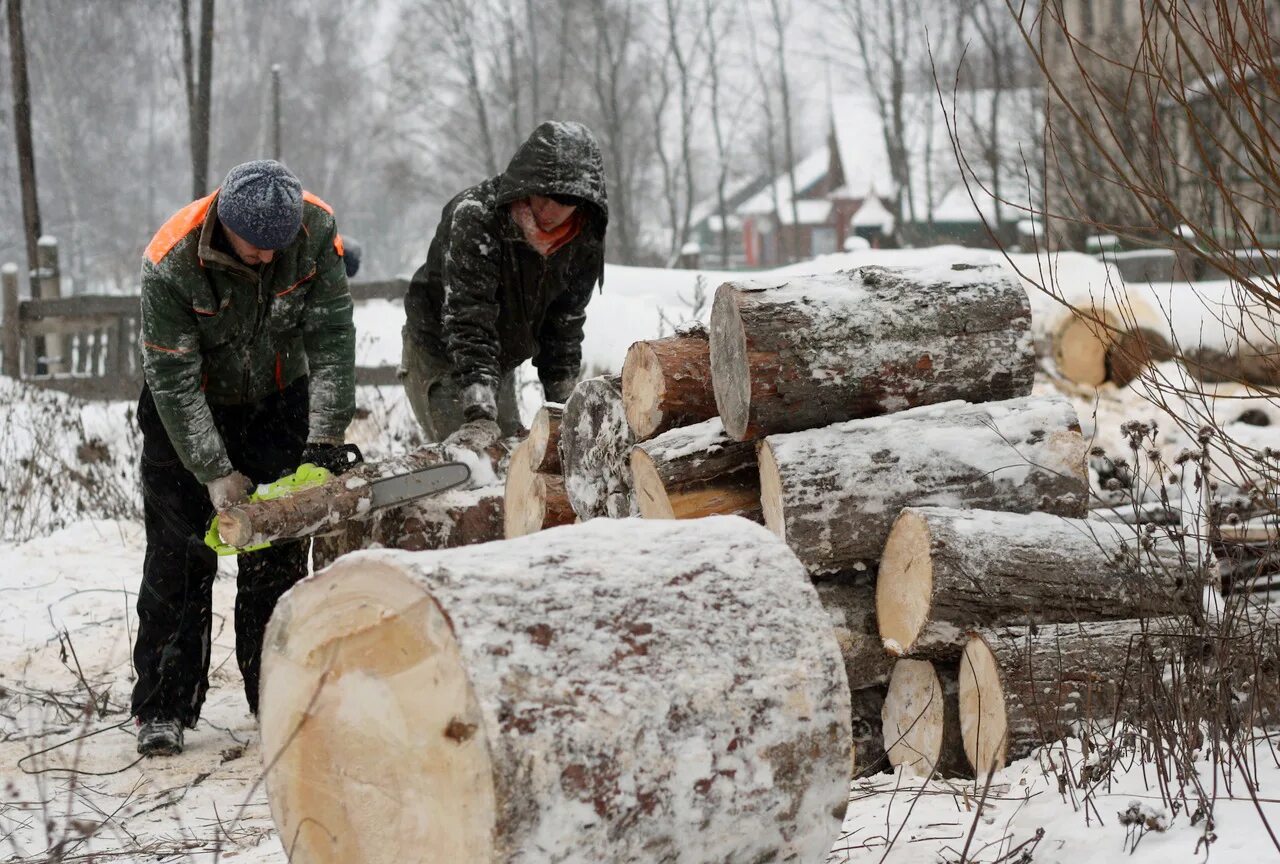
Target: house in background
(845, 194)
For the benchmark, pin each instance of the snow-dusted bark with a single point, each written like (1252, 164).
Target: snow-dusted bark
(1021, 687)
(816, 350)
(595, 442)
(613, 691)
(666, 383)
(946, 572)
(850, 601)
(832, 494)
(696, 471)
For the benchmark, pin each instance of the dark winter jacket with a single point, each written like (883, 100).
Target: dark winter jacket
(217, 331)
(485, 301)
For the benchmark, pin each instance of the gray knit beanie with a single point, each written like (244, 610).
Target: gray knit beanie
(261, 201)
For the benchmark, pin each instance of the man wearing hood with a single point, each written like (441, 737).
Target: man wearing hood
(509, 274)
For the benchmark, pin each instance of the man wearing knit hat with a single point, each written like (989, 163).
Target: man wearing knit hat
(248, 353)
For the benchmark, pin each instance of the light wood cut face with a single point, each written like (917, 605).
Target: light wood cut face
(983, 723)
(913, 718)
(1080, 351)
(518, 516)
(651, 493)
(771, 491)
(366, 707)
(904, 587)
(730, 372)
(643, 389)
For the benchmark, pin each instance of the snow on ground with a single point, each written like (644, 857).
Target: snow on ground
(67, 619)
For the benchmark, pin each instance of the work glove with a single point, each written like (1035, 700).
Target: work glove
(334, 458)
(229, 491)
(476, 435)
(558, 391)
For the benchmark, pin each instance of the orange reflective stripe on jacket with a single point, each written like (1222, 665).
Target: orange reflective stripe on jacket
(180, 224)
(312, 198)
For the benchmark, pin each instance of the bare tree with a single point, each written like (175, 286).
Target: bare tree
(22, 131)
(710, 9)
(199, 81)
(780, 15)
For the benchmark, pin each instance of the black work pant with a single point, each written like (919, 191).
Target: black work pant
(175, 604)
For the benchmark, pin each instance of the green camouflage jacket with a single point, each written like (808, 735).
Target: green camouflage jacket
(216, 331)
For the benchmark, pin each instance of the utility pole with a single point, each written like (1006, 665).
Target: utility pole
(277, 148)
(22, 133)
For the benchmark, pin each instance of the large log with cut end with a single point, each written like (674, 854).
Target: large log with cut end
(696, 471)
(850, 603)
(946, 572)
(832, 494)
(666, 383)
(816, 350)
(604, 692)
(533, 501)
(921, 720)
(544, 439)
(1023, 687)
(595, 445)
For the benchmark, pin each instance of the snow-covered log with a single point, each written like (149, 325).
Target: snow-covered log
(816, 350)
(612, 691)
(850, 602)
(544, 439)
(666, 383)
(595, 445)
(696, 471)
(921, 720)
(1022, 687)
(832, 494)
(946, 572)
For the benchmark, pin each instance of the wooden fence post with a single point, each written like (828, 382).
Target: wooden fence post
(48, 277)
(10, 328)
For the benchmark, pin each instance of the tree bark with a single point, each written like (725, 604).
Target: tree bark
(876, 340)
(832, 494)
(1023, 687)
(595, 442)
(696, 471)
(666, 384)
(921, 720)
(850, 603)
(200, 128)
(22, 135)
(615, 691)
(868, 739)
(945, 572)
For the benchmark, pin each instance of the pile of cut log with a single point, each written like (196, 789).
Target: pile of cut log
(880, 421)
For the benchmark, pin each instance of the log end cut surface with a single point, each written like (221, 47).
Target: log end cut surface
(983, 723)
(643, 390)
(904, 589)
(913, 718)
(730, 369)
(651, 493)
(771, 492)
(1080, 351)
(365, 704)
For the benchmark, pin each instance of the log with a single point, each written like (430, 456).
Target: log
(613, 691)
(595, 445)
(696, 471)
(666, 383)
(1023, 687)
(817, 350)
(533, 501)
(544, 439)
(850, 603)
(343, 498)
(832, 494)
(868, 739)
(946, 572)
(921, 720)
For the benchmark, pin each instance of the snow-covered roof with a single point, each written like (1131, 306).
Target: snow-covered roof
(809, 170)
(873, 214)
(810, 211)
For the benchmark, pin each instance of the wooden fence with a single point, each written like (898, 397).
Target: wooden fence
(88, 345)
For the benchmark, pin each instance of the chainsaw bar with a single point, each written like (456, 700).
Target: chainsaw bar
(390, 491)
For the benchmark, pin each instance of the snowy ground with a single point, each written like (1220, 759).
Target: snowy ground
(67, 619)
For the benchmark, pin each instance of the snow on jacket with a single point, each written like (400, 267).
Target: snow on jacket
(217, 331)
(485, 300)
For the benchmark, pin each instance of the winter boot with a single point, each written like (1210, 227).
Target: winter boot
(160, 737)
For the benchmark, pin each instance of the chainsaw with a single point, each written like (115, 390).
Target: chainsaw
(384, 492)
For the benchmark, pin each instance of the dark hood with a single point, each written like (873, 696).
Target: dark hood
(559, 158)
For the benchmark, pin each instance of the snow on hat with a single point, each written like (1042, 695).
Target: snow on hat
(261, 201)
